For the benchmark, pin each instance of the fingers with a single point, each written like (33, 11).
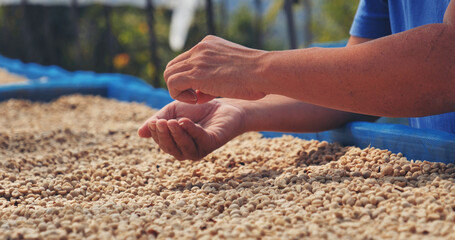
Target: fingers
(188, 96)
(184, 142)
(169, 135)
(177, 84)
(194, 130)
(181, 66)
(173, 139)
(152, 129)
(182, 73)
(144, 131)
(173, 77)
(180, 88)
(182, 57)
(203, 98)
(148, 129)
(178, 138)
(165, 139)
(200, 136)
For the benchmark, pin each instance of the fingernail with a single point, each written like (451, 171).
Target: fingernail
(160, 128)
(188, 96)
(183, 125)
(152, 126)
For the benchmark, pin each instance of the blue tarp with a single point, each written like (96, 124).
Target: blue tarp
(50, 82)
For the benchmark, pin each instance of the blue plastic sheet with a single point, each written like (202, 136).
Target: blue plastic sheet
(50, 82)
(417, 144)
(444, 122)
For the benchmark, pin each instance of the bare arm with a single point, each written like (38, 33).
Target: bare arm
(403, 75)
(284, 114)
(191, 131)
(280, 113)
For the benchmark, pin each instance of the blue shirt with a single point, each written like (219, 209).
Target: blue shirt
(379, 18)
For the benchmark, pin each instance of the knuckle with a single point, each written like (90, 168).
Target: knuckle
(202, 46)
(196, 73)
(201, 60)
(171, 83)
(169, 63)
(166, 75)
(173, 92)
(176, 79)
(209, 37)
(171, 80)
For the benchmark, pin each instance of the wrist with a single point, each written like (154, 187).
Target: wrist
(284, 72)
(263, 78)
(248, 119)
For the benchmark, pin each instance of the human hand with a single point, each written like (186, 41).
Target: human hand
(189, 131)
(215, 68)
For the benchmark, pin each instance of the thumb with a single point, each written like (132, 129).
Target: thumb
(203, 98)
(187, 96)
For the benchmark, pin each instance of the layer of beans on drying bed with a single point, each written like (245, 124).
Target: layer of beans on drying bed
(75, 168)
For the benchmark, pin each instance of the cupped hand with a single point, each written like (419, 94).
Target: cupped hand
(189, 131)
(216, 68)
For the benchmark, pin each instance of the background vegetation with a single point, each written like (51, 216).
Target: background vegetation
(105, 39)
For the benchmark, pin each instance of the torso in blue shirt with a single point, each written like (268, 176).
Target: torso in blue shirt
(379, 18)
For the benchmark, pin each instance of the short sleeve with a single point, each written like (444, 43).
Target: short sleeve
(371, 20)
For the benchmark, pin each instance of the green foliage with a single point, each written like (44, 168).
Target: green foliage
(334, 20)
(273, 12)
(241, 29)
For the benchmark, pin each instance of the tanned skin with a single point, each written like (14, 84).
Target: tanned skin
(408, 74)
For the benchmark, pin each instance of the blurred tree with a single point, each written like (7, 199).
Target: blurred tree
(26, 31)
(223, 16)
(288, 4)
(150, 12)
(272, 12)
(74, 14)
(307, 16)
(209, 15)
(105, 39)
(258, 23)
(240, 29)
(333, 20)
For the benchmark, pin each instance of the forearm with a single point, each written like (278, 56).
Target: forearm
(403, 75)
(280, 113)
